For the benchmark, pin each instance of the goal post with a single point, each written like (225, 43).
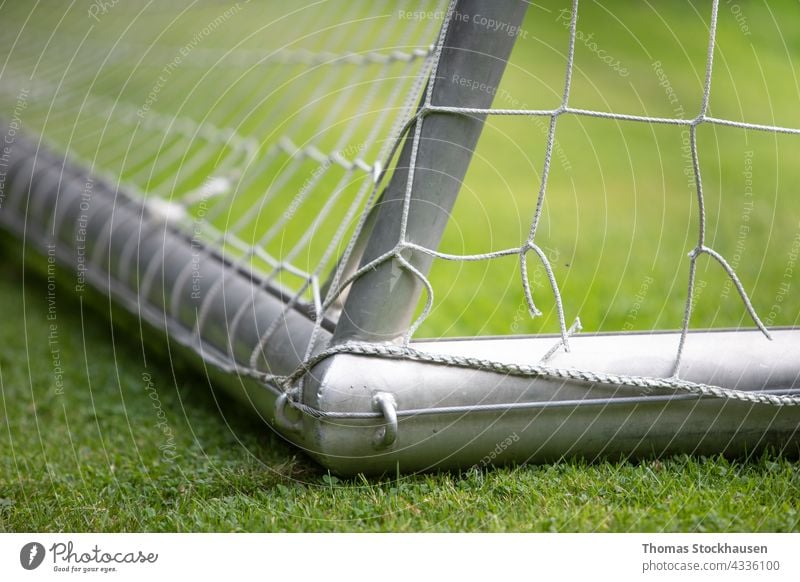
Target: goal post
(455, 402)
(436, 152)
(293, 266)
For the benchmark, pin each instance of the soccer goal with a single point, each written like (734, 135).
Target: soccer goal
(296, 194)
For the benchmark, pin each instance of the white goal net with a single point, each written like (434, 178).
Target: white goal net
(275, 186)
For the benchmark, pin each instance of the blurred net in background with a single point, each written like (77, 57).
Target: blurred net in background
(257, 130)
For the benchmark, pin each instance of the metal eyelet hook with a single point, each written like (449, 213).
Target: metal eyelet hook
(386, 435)
(280, 414)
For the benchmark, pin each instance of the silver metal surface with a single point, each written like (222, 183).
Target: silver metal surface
(458, 418)
(381, 303)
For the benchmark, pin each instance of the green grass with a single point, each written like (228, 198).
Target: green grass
(103, 448)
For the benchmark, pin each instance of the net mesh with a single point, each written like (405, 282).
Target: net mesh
(122, 91)
(279, 168)
(530, 245)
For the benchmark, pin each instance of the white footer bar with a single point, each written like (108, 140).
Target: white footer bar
(388, 557)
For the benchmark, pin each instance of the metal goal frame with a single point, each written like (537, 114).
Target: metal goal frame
(356, 392)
